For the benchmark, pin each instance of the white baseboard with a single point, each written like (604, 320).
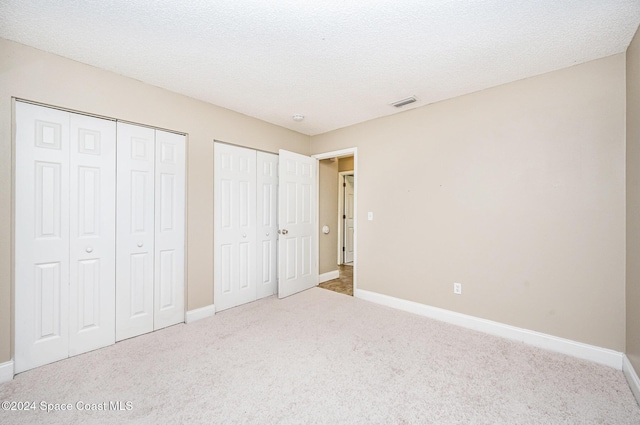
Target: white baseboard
(580, 350)
(200, 313)
(632, 378)
(6, 371)
(324, 277)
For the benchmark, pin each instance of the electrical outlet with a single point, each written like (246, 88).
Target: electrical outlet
(457, 288)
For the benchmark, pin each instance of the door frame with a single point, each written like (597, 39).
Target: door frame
(340, 154)
(341, 180)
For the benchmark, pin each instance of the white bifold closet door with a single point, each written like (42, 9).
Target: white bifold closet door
(267, 213)
(245, 225)
(64, 234)
(150, 230)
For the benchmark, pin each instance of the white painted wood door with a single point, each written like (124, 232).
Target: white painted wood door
(234, 226)
(169, 229)
(267, 215)
(297, 212)
(42, 236)
(64, 234)
(348, 218)
(135, 230)
(92, 210)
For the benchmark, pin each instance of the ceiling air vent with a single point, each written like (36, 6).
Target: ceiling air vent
(403, 102)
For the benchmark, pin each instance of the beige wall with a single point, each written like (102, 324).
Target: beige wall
(633, 203)
(328, 215)
(34, 75)
(345, 164)
(517, 192)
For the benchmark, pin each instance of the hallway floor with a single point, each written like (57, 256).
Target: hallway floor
(343, 284)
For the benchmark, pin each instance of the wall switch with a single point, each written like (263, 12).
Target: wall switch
(457, 288)
(370, 215)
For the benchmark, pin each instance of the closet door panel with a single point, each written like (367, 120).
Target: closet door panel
(169, 229)
(92, 232)
(41, 236)
(135, 230)
(234, 226)
(267, 202)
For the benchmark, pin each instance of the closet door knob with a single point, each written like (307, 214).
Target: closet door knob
(267, 234)
(140, 244)
(244, 235)
(89, 249)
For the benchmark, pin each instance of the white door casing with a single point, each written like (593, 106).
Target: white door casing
(267, 215)
(348, 218)
(169, 229)
(41, 236)
(135, 230)
(234, 226)
(92, 233)
(297, 212)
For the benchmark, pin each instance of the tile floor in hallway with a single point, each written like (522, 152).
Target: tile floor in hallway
(343, 284)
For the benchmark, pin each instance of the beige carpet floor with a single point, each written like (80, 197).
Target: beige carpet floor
(320, 357)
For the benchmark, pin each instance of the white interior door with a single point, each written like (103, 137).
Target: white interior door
(297, 216)
(41, 235)
(267, 214)
(135, 230)
(92, 229)
(348, 219)
(234, 226)
(169, 229)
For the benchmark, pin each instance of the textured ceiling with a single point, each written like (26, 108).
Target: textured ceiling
(338, 62)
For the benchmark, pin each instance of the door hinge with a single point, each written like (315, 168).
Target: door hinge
(343, 249)
(344, 185)
(344, 216)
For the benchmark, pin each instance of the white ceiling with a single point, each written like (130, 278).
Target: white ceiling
(338, 62)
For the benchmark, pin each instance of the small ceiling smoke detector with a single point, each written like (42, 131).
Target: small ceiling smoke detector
(298, 117)
(403, 102)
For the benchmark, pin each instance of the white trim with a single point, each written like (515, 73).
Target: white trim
(6, 371)
(632, 377)
(580, 350)
(200, 313)
(338, 154)
(324, 277)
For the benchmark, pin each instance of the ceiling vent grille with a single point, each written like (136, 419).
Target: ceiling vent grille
(403, 102)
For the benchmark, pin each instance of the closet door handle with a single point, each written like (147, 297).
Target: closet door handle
(285, 231)
(244, 235)
(89, 249)
(267, 234)
(140, 244)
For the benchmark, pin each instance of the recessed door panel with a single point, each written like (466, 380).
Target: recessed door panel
(48, 300)
(168, 279)
(89, 295)
(48, 199)
(170, 199)
(93, 223)
(135, 230)
(42, 240)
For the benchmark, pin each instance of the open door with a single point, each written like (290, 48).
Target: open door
(297, 218)
(348, 218)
